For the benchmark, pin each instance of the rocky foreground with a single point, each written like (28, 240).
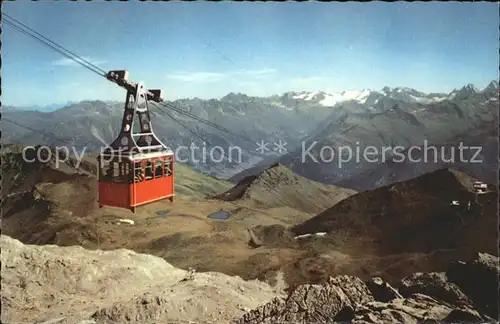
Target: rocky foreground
(466, 293)
(51, 284)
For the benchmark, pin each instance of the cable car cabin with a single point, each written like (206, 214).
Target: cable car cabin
(136, 168)
(136, 180)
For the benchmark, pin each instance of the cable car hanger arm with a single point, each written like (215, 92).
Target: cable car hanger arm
(120, 77)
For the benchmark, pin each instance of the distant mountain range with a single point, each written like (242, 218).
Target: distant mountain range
(397, 116)
(46, 108)
(372, 97)
(467, 116)
(365, 96)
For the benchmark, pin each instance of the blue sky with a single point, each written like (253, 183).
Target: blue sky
(206, 50)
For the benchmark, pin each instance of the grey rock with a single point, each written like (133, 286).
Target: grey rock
(435, 285)
(478, 279)
(381, 290)
(320, 303)
(415, 309)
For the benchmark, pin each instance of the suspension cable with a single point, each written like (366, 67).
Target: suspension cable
(38, 131)
(78, 59)
(53, 47)
(62, 50)
(53, 43)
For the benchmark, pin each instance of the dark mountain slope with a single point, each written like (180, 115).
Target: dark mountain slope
(415, 216)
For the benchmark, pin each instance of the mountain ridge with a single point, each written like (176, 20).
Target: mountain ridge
(298, 94)
(94, 124)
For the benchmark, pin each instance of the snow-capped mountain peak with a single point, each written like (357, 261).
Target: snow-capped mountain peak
(331, 99)
(464, 92)
(405, 94)
(492, 86)
(470, 88)
(304, 95)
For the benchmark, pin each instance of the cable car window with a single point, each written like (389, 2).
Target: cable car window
(126, 171)
(138, 172)
(167, 167)
(106, 171)
(158, 168)
(116, 167)
(120, 172)
(149, 170)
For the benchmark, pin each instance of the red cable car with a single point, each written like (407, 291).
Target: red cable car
(137, 168)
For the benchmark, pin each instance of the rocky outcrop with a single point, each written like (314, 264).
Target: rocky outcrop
(62, 285)
(435, 285)
(416, 309)
(422, 297)
(320, 303)
(381, 290)
(478, 279)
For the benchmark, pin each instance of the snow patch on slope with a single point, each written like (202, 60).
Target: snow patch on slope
(400, 93)
(331, 99)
